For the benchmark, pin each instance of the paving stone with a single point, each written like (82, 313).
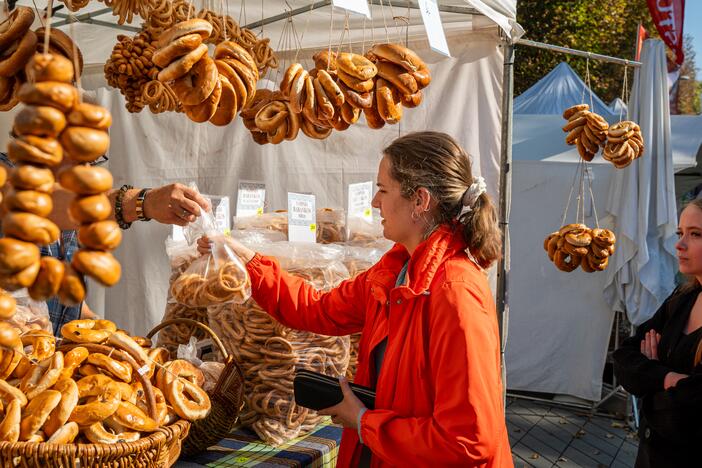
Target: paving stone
(539, 446)
(576, 456)
(558, 444)
(528, 454)
(519, 462)
(520, 422)
(599, 441)
(593, 452)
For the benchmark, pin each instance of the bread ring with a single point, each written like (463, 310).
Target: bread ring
(324, 104)
(31, 149)
(69, 400)
(66, 434)
(389, 106)
(8, 305)
(293, 123)
(175, 49)
(102, 235)
(42, 376)
(360, 86)
(297, 91)
(566, 262)
(309, 107)
(227, 106)
(43, 121)
(573, 249)
(325, 60)
(314, 131)
(37, 412)
(331, 89)
(32, 178)
(84, 144)
(399, 55)
(349, 113)
(398, 76)
(569, 112)
(585, 265)
(183, 65)
(14, 63)
(90, 209)
(16, 255)
(98, 409)
(183, 28)
(187, 399)
(10, 425)
(579, 238)
(232, 50)
(248, 76)
(49, 67)
(48, 280)
(359, 100)
(99, 265)
(161, 406)
(30, 228)
(422, 76)
(373, 118)
(86, 180)
(597, 264)
(179, 369)
(111, 366)
(62, 96)
(199, 83)
(571, 227)
(42, 343)
(356, 66)
(9, 92)
(18, 23)
(271, 116)
(603, 237)
(98, 434)
(206, 109)
(10, 361)
(132, 417)
(123, 341)
(72, 359)
(90, 115)
(61, 44)
(88, 331)
(412, 100)
(286, 84)
(583, 151)
(72, 289)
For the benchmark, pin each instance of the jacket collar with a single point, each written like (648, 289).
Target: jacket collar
(445, 242)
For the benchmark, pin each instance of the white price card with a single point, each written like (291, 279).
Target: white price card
(432, 23)
(360, 198)
(250, 198)
(302, 218)
(356, 6)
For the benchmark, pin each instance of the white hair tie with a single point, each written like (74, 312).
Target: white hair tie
(471, 195)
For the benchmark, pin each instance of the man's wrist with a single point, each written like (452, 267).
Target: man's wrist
(140, 205)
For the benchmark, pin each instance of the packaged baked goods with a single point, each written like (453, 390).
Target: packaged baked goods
(269, 353)
(30, 314)
(274, 221)
(331, 224)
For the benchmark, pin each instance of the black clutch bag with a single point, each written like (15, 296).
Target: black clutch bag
(318, 391)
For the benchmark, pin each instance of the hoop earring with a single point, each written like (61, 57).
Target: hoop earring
(415, 216)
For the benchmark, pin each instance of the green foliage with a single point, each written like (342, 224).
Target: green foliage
(688, 86)
(607, 28)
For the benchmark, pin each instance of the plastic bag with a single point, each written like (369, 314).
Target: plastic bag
(30, 314)
(331, 226)
(362, 232)
(269, 352)
(275, 221)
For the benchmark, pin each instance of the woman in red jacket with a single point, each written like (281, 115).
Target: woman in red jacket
(430, 344)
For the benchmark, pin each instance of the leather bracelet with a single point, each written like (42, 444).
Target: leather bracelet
(140, 205)
(119, 213)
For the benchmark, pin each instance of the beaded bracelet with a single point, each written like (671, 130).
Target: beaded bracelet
(119, 214)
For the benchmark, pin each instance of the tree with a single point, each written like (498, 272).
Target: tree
(607, 28)
(688, 87)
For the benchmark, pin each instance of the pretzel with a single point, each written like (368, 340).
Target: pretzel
(575, 245)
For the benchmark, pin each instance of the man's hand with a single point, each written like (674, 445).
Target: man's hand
(174, 204)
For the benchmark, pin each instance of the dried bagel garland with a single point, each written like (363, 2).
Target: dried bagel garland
(586, 130)
(17, 45)
(576, 245)
(624, 144)
(100, 386)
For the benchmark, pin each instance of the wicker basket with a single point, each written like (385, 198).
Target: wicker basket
(227, 397)
(159, 449)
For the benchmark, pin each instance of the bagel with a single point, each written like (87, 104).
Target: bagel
(17, 25)
(398, 55)
(132, 417)
(86, 180)
(356, 65)
(571, 111)
(90, 115)
(43, 121)
(111, 367)
(579, 238)
(69, 400)
(309, 107)
(603, 237)
(30, 228)
(248, 76)
(161, 406)
(102, 235)
(598, 265)
(356, 99)
(398, 76)
(206, 109)
(32, 149)
(412, 100)
(227, 106)
(66, 434)
(42, 376)
(297, 91)
(232, 50)
(183, 65)
(13, 63)
(98, 434)
(571, 227)
(237, 83)
(72, 360)
(331, 89)
(9, 362)
(573, 249)
(271, 116)
(293, 123)
(10, 425)
(62, 45)
(325, 106)
(286, 84)
(99, 265)
(37, 411)
(325, 60)
(49, 67)
(314, 131)
(42, 343)
(20, 279)
(187, 399)
(9, 91)
(349, 113)
(360, 86)
(388, 101)
(95, 409)
(373, 118)
(88, 330)
(72, 289)
(422, 77)
(48, 280)
(183, 28)
(338, 122)
(32, 178)
(8, 304)
(16, 255)
(566, 262)
(123, 341)
(90, 209)
(175, 49)
(62, 96)
(196, 85)
(84, 144)
(9, 393)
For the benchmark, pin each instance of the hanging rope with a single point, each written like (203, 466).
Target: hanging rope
(592, 196)
(47, 30)
(570, 197)
(385, 23)
(625, 89)
(331, 27)
(76, 65)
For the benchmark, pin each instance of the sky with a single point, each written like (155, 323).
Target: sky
(693, 26)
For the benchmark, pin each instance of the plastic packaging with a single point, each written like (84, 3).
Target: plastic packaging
(30, 314)
(331, 224)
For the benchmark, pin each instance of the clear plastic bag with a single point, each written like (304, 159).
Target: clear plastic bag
(362, 232)
(30, 314)
(331, 226)
(274, 221)
(269, 353)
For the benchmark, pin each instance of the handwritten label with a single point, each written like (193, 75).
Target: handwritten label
(250, 198)
(432, 23)
(356, 6)
(302, 218)
(360, 198)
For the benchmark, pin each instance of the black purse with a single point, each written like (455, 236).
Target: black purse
(318, 391)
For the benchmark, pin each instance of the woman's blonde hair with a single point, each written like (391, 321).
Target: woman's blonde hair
(435, 161)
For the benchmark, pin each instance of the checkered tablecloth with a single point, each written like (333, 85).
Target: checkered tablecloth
(243, 448)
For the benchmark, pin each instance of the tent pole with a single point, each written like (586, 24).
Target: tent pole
(505, 194)
(580, 53)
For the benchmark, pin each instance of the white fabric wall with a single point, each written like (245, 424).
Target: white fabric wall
(150, 150)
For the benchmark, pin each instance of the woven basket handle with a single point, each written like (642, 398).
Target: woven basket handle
(188, 321)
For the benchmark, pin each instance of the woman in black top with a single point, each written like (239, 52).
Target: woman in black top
(661, 363)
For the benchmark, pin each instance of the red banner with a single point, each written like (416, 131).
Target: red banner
(668, 16)
(641, 36)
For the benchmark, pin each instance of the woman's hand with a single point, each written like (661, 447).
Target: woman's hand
(672, 378)
(649, 345)
(204, 246)
(346, 412)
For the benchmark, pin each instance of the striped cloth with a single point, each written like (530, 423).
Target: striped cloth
(243, 448)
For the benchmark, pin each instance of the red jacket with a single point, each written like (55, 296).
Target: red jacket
(439, 395)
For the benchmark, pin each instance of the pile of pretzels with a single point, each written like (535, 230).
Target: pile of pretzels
(101, 386)
(53, 124)
(210, 90)
(576, 245)
(586, 130)
(624, 144)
